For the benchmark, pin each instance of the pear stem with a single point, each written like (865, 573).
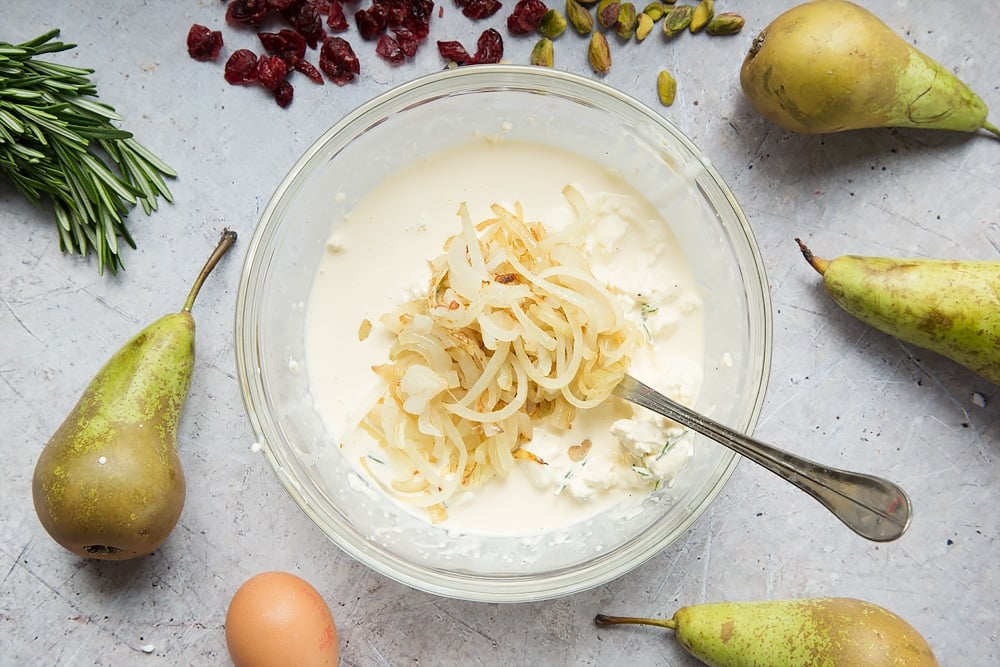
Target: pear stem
(817, 263)
(227, 240)
(603, 621)
(990, 127)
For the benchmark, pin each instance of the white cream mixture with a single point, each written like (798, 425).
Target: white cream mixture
(377, 257)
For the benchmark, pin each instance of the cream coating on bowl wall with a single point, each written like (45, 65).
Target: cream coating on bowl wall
(435, 113)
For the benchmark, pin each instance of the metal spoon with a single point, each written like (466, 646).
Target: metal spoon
(872, 507)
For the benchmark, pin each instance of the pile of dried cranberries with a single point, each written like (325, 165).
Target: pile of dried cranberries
(398, 28)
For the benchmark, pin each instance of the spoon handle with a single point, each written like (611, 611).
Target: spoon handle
(872, 507)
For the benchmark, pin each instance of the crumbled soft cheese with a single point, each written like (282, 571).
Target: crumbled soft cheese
(658, 446)
(665, 466)
(650, 440)
(595, 477)
(642, 434)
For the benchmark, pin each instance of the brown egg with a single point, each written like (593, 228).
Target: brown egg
(277, 618)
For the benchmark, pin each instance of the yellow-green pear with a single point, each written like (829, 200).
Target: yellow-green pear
(949, 307)
(818, 632)
(830, 65)
(109, 484)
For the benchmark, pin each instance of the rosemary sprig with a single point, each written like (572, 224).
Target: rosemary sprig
(58, 143)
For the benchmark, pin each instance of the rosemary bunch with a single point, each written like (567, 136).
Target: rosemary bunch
(57, 142)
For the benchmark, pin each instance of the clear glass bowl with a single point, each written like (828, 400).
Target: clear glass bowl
(432, 113)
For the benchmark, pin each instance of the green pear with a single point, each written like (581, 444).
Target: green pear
(819, 632)
(830, 65)
(109, 484)
(949, 307)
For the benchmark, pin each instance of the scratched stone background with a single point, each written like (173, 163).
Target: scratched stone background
(839, 391)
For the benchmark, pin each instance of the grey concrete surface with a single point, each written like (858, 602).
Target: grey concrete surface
(839, 391)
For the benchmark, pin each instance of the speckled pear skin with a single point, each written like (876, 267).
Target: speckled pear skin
(949, 307)
(109, 484)
(820, 632)
(831, 65)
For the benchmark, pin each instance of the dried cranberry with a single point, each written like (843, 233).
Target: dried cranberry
(371, 22)
(309, 70)
(305, 18)
(322, 6)
(479, 9)
(241, 67)
(388, 49)
(283, 94)
(338, 60)
(393, 10)
(271, 71)
(335, 19)
(418, 20)
(288, 44)
(408, 42)
(455, 52)
(419, 30)
(489, 48)
(526, 16)
(283, 5)
(203, 44)
(247, 11)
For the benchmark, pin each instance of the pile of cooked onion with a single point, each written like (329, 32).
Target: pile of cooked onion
(515, 332)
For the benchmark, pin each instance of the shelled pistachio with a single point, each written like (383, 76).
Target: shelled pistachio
(607, 13)
(644, 25)
(598, 53)
(628, 19)
(553, 24)
(701, 15)
(579, 17)
(666, 88)
(677, 19)
(655, 10)
(543, 53)
(727, 23)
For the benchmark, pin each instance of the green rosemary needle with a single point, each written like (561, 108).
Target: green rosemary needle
(58, 143)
